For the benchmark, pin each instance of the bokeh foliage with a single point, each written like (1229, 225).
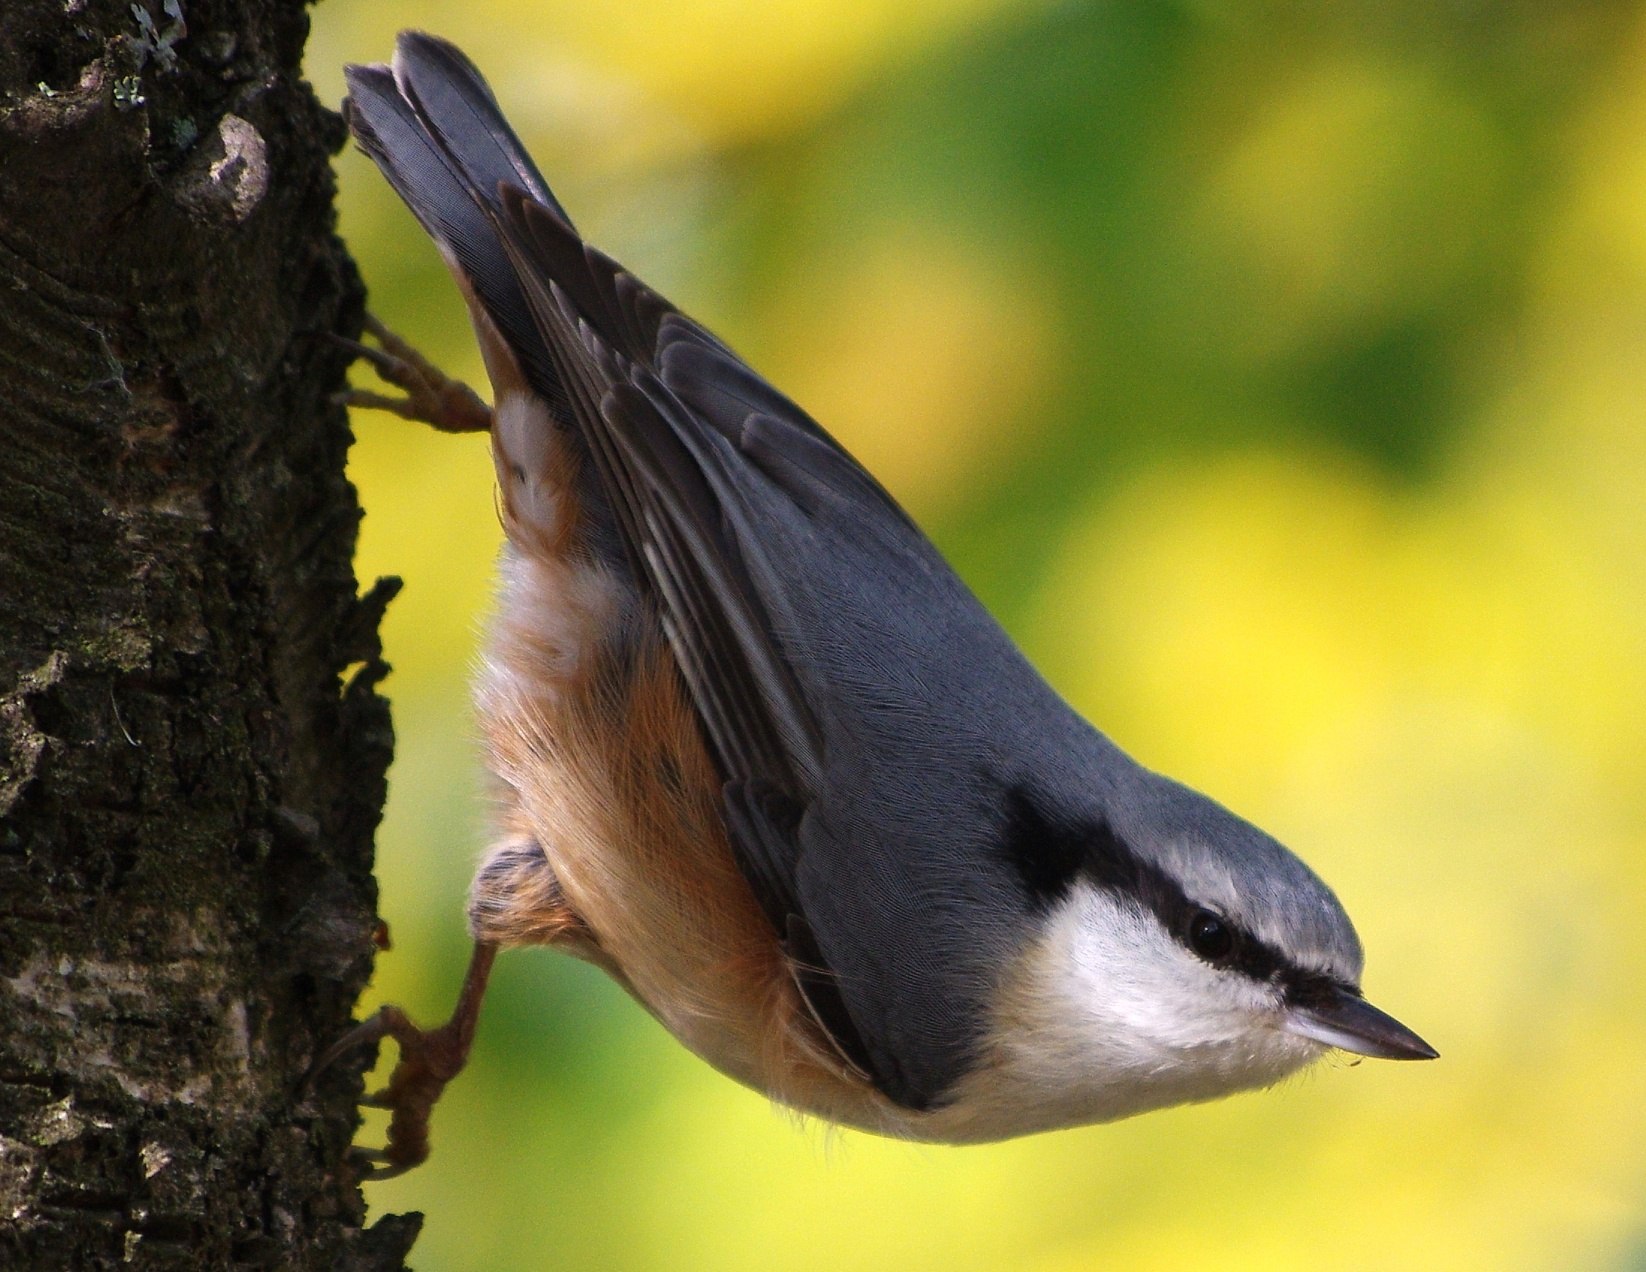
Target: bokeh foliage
(1275, 371)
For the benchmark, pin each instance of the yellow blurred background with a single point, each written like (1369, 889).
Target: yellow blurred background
(1277, 373)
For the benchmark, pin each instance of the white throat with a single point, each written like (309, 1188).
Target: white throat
(1106, 1015)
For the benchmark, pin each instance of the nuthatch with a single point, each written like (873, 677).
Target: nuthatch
(761, 755)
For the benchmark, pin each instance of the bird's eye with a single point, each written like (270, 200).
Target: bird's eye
(1210, 936)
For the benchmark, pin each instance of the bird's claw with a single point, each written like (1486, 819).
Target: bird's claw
(374, 1164)
(429, 1059)
(431, 396)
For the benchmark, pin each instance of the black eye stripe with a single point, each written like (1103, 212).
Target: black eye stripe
(1050, 855)
(1047, 855)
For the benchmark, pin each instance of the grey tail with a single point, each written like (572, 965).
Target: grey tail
(431, 124)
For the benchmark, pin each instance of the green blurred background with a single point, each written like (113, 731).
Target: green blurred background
(1277, 373)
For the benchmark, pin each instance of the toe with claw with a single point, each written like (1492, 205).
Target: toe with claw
(431, 396)
(429, 1059)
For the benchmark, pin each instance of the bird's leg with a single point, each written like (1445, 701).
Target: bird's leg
(432, 396)
(429, 1058)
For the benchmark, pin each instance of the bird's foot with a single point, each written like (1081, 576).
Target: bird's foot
(431, 396)
(429, 1059)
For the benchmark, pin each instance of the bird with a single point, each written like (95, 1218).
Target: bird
(760, 754)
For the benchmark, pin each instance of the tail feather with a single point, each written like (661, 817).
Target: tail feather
(447, 164)
(455, 103)
(421, 172)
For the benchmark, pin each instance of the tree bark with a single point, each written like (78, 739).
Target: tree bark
(192, 751)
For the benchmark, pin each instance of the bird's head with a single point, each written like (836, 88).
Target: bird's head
(1180, 954)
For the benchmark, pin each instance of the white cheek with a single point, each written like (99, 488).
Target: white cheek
(1112, 968)
(1107, 1015)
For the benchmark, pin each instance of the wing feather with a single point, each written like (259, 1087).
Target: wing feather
(714, 481)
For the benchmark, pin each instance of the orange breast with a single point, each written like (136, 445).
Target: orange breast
(611, 840)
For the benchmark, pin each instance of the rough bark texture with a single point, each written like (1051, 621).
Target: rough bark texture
(192, 752)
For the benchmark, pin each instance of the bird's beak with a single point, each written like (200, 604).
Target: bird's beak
(1349, 1022)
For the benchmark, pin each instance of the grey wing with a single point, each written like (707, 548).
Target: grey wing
(714, 483)
(874, 846)
(674, 424)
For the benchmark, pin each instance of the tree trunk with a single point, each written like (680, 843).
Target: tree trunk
(192, 751)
